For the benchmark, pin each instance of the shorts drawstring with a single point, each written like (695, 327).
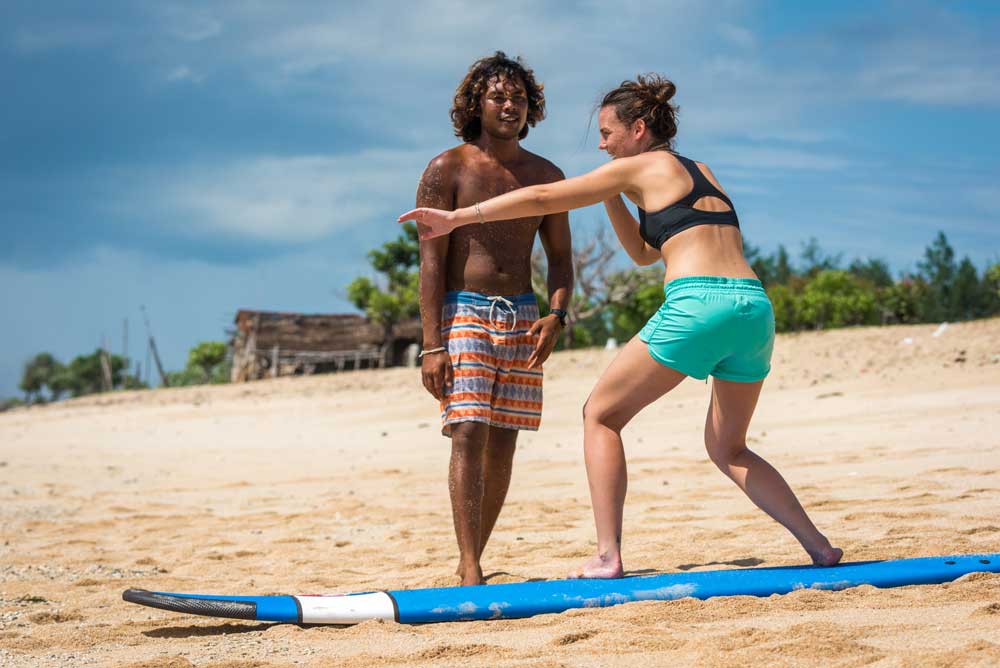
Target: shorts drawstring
(507, 309)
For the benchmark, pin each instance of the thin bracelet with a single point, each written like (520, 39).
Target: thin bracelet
(482, 221)
(432, 350)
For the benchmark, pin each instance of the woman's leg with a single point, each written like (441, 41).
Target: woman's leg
(725, 438)
(632, 381)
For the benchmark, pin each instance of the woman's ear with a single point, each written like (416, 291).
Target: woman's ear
(638, 128)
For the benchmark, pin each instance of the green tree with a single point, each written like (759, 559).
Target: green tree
(784, 301)
(397, 296)
(903, 302)
(43, 371)
(206, 363)
(189, 375)
(968, 300)
(783, 271)
(762, 265)
(131, 382)
(814, 260)
(209, 357)
(834, 298)
(991, 279)
(85, 374)
(991, 289)
(629, 313)
(874, 270)
(12, 402)
(938, 269)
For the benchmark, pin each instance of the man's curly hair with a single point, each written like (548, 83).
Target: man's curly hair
(467, 109)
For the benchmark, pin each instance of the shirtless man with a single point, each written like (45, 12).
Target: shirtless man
(484, 343)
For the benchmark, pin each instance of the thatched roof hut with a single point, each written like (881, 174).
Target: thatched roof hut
(268, 343)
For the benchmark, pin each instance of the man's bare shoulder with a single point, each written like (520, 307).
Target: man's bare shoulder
(546, 169)
(450, 160)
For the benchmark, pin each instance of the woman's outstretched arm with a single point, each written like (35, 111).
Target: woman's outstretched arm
(627, 229)
(593, 187)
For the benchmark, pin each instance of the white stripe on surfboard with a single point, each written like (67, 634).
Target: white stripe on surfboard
(349, 609)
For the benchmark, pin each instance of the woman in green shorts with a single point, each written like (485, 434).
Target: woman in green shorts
(715, 320)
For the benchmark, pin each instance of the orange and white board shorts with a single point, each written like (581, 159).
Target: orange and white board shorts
(488, 341)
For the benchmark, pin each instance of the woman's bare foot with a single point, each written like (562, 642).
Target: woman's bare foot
(469, 575)
(828, 556)
(599, 568)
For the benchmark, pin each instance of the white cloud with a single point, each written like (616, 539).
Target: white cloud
(939, 61)
(183, 73)
(190, 24)
(281, 199)
(935, 83)
(737, 35)
(765, 158)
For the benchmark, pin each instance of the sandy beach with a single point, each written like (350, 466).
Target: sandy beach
(337, 483)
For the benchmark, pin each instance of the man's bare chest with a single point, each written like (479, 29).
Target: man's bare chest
(478, 184)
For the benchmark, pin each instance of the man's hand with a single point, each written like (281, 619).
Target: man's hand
(437, 374)
(547, 330)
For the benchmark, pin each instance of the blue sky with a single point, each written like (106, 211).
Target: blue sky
(201, 157)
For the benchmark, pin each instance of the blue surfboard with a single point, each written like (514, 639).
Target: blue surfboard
(526, 599)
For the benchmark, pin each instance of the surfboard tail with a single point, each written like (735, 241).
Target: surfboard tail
(334, 609)
(210, 607)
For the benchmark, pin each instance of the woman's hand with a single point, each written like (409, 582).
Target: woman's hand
(431, 222)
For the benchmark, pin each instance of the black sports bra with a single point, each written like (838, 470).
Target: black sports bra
(655, 228)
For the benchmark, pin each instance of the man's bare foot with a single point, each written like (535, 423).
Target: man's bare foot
(469, 575)
(599, 568)
(828, 556)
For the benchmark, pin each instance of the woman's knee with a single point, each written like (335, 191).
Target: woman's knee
(595, 414)
(723, 451)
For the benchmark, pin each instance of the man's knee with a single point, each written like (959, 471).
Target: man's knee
(469, 436)
(500, 454)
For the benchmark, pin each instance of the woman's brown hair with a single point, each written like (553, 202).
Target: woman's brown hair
(648, 98)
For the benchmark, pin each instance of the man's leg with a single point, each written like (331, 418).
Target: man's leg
(498, 463)
(465, 482)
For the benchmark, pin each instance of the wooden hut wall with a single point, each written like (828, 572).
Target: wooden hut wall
(299, 338)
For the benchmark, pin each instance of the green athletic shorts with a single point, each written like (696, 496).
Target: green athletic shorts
(709, 325)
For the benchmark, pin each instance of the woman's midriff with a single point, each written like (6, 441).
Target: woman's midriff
(706, 250)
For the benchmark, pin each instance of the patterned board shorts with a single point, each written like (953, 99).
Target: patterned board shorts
(488, 341)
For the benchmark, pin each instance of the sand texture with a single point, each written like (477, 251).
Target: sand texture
(337, 483)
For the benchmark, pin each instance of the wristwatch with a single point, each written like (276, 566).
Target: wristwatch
(559, 313)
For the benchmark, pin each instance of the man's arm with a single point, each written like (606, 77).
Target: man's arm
(436, 189)
(558, 246)
(557, 243)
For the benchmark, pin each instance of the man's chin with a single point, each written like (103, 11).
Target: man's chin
(499, 133)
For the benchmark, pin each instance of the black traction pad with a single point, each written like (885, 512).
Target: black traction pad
(192, 606)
